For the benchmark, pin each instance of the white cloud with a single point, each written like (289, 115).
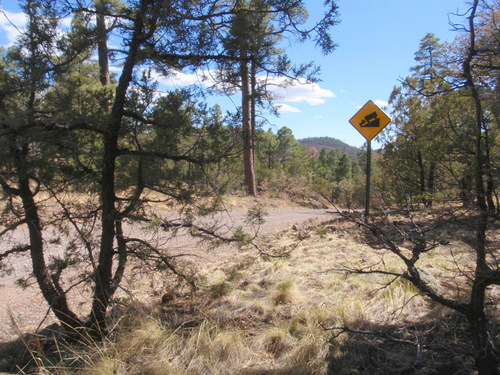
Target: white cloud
(11, 23)
(299, 91)
(285, 108)
(318, 117)
(381, 103)
(66, 22)
(180, 79)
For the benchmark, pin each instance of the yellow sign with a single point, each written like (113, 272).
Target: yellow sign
(370, 120)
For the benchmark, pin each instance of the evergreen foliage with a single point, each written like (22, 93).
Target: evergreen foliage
(329, 143)
(90, 154)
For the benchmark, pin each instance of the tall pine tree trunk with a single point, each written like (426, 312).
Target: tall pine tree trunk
(246, 104)
(102, 41)
(102, 47)
(253, 94)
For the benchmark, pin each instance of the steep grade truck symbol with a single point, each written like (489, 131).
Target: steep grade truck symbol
(370, 121)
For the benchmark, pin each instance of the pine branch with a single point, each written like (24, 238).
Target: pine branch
(15, 250)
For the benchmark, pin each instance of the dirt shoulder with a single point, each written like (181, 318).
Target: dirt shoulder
(23, 310)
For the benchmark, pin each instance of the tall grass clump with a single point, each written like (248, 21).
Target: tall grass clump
(284, 293)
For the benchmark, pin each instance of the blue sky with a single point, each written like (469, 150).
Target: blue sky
(376, 41)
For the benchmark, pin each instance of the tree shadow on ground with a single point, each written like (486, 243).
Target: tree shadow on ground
(31, 351)
(293, 370)
(436, 346)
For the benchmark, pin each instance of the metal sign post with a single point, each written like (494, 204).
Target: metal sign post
(369, 121)
(368, 177)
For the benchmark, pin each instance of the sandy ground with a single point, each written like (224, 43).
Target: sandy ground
(24, 310)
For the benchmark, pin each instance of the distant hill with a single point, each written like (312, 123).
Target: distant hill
(329, 143)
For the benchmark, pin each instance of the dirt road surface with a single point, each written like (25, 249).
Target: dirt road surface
(24, 310)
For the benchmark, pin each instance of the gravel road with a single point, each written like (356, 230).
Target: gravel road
(28, 310)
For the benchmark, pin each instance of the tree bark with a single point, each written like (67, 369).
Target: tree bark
(421, 177)
(253, 95)
(431, 182)
(248, 151)
(54, 297)
(102, 48)
(102, 42)
(484, 357)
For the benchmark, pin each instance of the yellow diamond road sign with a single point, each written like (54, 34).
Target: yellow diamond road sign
(370, 120)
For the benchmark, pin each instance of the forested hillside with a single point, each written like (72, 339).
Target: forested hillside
(329, 143)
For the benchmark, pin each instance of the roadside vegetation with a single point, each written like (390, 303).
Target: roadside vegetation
(103, 161)
(306, 313)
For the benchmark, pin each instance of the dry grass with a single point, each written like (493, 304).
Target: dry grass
(274, 315)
